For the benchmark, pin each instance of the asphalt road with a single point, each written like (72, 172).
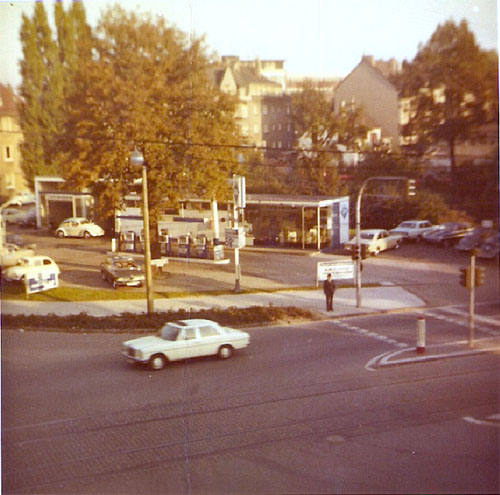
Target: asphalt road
(296, 412)
(429, 272)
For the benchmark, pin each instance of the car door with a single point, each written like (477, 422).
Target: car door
(191, 338)
(210, 339)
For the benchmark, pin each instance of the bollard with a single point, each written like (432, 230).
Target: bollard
(113, 244)
(420, 335)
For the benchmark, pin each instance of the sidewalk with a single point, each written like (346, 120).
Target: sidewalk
(374, 299)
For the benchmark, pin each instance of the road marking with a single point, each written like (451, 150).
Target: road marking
(489, 422)
(373, 335)
(464, 321)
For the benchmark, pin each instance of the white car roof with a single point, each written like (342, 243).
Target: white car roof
(195, 322)
(75, 219)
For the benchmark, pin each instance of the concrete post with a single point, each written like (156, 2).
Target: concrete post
(420, 335)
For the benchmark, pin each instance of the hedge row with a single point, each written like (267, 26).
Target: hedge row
(143, 323)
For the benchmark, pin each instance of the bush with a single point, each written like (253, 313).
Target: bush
(142, 323)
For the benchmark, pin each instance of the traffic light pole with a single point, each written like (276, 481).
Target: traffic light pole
(358, 244)
(410, 191)
(471, 297)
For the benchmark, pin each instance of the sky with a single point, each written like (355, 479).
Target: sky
(315, 38)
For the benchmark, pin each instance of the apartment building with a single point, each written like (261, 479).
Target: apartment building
(367, 86)
(264, 113)
(12, 180)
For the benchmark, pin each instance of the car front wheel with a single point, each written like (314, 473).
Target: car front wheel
(157, 362)
(87, 235)
(60, 234)
(225, 352)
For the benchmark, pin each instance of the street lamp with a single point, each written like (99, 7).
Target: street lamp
(410, 191)
(137, 160)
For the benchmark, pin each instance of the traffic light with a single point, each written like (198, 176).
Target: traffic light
(479, 276)
(355, 252)
(410, 187)
(465, 278)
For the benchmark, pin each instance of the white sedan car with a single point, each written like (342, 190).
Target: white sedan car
(79, 227)
(185, 339)
(413, 230)
(373, 241)
(40, 263)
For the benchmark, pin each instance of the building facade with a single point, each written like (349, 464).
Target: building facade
(369, 88)
(264, 114)
(12, 180)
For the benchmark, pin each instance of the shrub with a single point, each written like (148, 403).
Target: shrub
(142, 323)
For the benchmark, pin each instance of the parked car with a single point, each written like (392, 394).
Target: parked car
(122, 271)
(447, 234)
(484, 239)
(413, 230)
(373, 241)
(490, 247)
(185, 339)
(11, 253)
(78, 227)
(23, 215)
(29, 263)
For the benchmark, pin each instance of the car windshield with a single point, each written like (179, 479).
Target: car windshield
(169, 332)
(367, 235)
(407, 225)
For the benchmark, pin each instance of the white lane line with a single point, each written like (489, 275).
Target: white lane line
(482, 422)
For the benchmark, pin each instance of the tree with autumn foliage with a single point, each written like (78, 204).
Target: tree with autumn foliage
(146, 87)
(47, 70)
(318, 132)
(451, 86)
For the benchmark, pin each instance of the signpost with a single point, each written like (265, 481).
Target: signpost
(235, 238)
(38, 281)
(340, 270)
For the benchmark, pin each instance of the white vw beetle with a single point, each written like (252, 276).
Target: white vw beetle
(185, 339)
(373, 241)
(79, 227)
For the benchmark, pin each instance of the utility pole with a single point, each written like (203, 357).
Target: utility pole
(409, 191)
(137, 160)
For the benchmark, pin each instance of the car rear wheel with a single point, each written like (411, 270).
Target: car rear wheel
(376, 252)
(396, 246)
(225, 352)
(87, 235)
(157, 362)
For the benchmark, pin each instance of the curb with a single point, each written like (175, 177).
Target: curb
(386, 360)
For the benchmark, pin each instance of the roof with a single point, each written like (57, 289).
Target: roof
(8, 101)
(376, 72)
(293, 201)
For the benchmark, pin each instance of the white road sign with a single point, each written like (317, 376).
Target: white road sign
(340, 270)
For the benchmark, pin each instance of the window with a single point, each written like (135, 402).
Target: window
(264, 109)
(256, 128)
(189, 333)
(266, 128)
(208, 331)
(8, 154)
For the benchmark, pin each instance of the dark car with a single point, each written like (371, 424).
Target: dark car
(477, 238)
(122, 271)
(447, 234)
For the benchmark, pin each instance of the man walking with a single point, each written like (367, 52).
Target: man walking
(329, 289)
